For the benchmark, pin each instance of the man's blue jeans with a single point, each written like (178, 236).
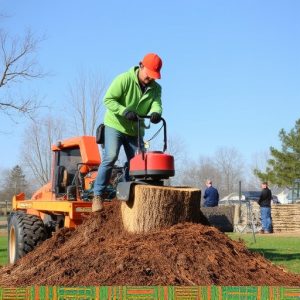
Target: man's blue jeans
(114, 139)
(266, 221)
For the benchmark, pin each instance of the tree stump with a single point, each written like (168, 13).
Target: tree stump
(152, 207)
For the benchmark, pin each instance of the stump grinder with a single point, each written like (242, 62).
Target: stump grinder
(67, 197)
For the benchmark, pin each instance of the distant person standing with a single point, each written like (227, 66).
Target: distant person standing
(211, 195)
(265, 208)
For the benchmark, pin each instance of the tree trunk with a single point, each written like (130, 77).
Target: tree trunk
(153, 207)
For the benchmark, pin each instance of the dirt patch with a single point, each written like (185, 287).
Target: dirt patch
(99, 252)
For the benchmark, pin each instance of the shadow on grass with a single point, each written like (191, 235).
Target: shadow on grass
(273, 255)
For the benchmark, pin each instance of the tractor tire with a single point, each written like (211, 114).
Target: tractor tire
(25, 232)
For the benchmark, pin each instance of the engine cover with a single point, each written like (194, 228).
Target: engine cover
(153, 164)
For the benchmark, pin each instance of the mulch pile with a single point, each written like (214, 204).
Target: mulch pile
(99, 252)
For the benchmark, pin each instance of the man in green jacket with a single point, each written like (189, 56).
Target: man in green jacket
(131, 94)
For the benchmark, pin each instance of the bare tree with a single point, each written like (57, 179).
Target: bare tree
(177, 148)
(258, 161)
(229, 163)
(225, 169)
(18, 63)
(36, 151)
(195, 173)
(85, 103)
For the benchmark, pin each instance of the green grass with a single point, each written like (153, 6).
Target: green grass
(3, 218)
(281, 250)
(3, 250)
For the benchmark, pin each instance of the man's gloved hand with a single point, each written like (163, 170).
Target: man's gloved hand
(130, 115)
(155, 117)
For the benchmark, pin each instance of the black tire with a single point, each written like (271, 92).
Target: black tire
(25, 232)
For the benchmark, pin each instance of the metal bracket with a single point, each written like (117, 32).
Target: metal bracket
(124, 189)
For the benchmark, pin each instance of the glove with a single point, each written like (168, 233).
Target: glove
(130, 115)
(155, 118)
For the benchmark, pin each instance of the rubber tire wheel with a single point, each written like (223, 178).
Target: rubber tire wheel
(25, 232)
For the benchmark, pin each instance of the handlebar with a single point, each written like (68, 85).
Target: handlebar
(165, 131)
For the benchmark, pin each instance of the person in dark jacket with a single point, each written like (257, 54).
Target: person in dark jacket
(265, 208)
(211, 195)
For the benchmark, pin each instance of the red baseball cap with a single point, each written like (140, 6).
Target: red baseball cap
(153, 64)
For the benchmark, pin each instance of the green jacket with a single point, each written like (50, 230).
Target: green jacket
(125, 94)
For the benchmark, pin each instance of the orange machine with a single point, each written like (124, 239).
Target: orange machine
(67, 197)
(61, 202)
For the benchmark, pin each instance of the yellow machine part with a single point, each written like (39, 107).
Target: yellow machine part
(72, 210)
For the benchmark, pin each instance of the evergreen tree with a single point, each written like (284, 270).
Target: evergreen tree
(14, 183)
(284, 165)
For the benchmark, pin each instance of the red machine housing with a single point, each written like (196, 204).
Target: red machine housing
(147, 167)
(153, 164)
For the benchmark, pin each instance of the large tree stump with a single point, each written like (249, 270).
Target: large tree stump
(153, 207)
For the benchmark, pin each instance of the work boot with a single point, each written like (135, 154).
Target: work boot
(97, 204)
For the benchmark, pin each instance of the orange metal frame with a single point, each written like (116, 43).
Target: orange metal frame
(88, 148)
(44, 200)
(73, 211)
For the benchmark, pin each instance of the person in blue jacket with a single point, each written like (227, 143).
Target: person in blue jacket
(211, 195)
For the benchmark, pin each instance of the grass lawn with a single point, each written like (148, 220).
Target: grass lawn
(3, 250)
(3, 241)
(281, 250)
(3, 218)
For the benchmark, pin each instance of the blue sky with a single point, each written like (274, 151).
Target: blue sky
(230, 73)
